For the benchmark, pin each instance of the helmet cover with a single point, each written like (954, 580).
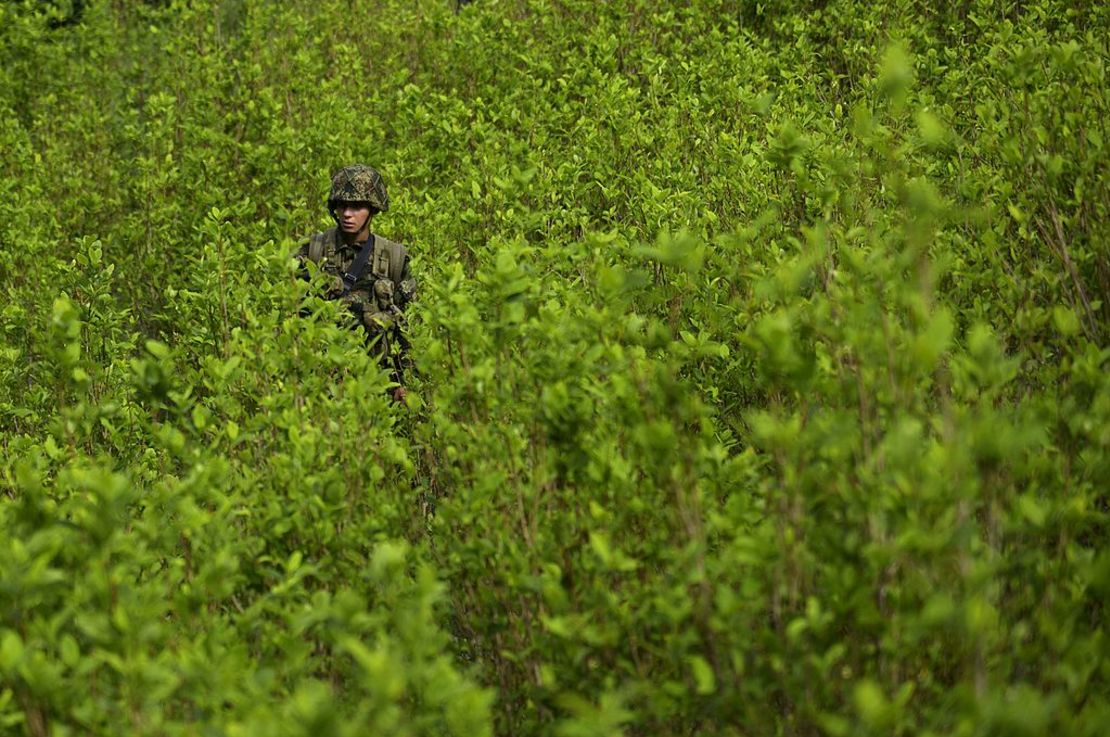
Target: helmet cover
(358, 183)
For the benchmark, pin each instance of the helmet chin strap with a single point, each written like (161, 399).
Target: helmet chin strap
(365, 223)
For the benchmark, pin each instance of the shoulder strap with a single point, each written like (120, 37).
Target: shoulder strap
(389, 260)
(316, 244)
(363, 256)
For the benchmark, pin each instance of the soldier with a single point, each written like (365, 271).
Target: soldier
(369, 274)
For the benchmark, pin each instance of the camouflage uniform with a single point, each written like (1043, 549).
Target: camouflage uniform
(377, 298)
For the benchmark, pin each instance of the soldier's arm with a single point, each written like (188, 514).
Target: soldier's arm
(301, 257)
(407, 291)
(402, 361)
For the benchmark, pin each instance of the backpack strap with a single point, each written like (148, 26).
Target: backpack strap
(389, 260)
(316, 244)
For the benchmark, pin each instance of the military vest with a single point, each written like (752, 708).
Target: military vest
(387, 261)
(380, 290)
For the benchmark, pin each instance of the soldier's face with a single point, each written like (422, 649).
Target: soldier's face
(352, 216)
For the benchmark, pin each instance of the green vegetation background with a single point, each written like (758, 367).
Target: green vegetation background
(764, 383)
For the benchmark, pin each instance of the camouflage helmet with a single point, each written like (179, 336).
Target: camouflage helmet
(358, 183)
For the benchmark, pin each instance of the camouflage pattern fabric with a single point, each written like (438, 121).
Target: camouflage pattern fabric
(375, 302)
(358, 183)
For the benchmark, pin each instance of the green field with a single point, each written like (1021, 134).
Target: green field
(763, 370)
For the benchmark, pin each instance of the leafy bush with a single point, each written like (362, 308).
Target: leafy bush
(762, 370)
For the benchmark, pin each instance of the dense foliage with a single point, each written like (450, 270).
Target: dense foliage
(764, 373)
